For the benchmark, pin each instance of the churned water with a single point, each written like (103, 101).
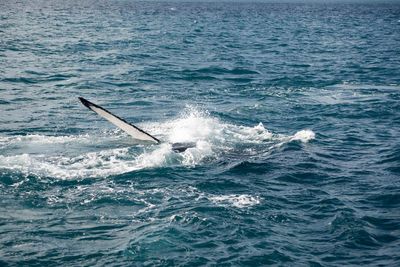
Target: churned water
(294, 108)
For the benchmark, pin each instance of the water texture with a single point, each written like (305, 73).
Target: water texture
(294, 108)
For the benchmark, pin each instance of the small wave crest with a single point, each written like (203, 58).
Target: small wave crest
(238, 201)
(303, 136)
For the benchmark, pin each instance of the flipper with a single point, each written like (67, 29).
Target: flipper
(130, 129)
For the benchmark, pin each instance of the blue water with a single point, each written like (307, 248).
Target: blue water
(294, 108)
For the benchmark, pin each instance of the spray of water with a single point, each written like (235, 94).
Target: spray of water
(80, 156)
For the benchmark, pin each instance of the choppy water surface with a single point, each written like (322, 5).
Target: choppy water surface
(294, 109)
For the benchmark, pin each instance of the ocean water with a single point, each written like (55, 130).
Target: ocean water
(294, 108)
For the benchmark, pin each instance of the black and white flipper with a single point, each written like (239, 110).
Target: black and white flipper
(130, 129)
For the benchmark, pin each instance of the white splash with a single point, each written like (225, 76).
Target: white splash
(192, 125)
(108, 153)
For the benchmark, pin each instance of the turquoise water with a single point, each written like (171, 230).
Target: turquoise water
(295, 110)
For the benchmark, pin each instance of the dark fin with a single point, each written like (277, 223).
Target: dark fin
(85, 102)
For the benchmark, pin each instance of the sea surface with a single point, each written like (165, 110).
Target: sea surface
(294, 108)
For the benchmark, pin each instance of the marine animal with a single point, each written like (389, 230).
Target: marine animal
(131, 129)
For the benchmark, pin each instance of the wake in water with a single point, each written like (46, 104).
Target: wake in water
(111, 153)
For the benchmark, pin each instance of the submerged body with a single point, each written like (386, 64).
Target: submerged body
(181, 147)
(131, 129)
